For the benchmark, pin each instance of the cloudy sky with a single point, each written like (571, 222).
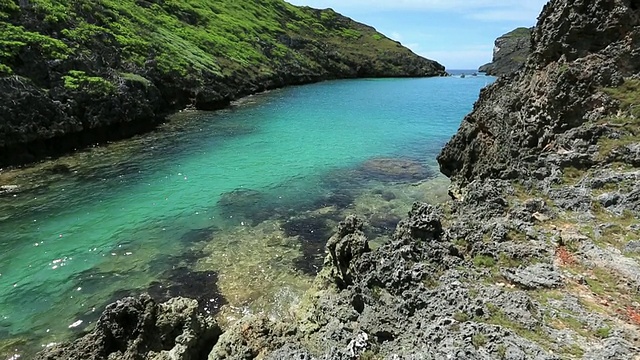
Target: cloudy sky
(457, 33)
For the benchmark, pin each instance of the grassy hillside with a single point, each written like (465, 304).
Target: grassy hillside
(92, 64)
(521, 32)
(186, 37)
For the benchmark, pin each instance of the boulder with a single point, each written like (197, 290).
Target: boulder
(139, 328)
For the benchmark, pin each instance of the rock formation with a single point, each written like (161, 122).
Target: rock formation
(139, 328)
(78, 73)
(535, 256)
(510, 52)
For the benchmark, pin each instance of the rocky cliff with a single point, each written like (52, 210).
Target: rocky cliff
(510, 52)
(81, 72)
(535, 256)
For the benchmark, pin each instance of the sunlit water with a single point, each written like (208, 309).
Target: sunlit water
(232, 207)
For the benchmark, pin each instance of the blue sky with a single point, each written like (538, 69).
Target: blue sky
(457, 33)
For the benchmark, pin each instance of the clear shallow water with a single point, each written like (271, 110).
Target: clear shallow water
(237, 199)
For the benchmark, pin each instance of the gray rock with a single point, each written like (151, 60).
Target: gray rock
(571, 198)
(344, 248)
(633, 246)
(139, 328)
(609, 199)
(8, 189)
(613, 348)
(510, 52)
(534, 277)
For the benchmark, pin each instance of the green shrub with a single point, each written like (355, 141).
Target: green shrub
(79, 80)
(484, 261)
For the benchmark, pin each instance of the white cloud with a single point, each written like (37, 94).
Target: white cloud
(396, 36)
(490, 10)
(469, 57)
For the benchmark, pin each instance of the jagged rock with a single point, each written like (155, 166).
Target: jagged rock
(534, 277)
(571, 198)
(633, 246)
(139, 328)
(251, 337)
(346, 246)
(613, 348)
(518, 120)
(485, 198)
(609, 199)
(423, 223)
(629, 154)
(8, 189)
(510, 53)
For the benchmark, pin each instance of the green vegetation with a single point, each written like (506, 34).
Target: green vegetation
(484, 261)
(603, 333)
(184, 38)
(479, 340)
(573, 350)
(499, 318)
(461, 317)
(369, 355)
(79, 80)
(628, 95)
(518, 33)
(571, 175)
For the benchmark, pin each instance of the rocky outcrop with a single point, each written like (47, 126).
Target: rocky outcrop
(510, 53)
(534, 256)
(545, 115)
(80, 73)
(139, 328)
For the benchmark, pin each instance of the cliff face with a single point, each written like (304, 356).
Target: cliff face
(518, 126)
(510, 52)
(75, 73)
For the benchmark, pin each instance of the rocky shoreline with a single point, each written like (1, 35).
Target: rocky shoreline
(509, 53)
(535, 256)
(73, 76)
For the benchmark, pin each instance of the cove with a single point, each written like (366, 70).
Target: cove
(231, 207)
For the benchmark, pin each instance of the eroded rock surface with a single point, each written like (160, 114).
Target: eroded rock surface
(510, 53)
(140, 328)
(535, 255)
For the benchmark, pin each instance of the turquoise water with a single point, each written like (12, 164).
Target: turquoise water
(120, 219)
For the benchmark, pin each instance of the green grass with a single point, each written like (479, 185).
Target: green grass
(79, 80)
(369, 355)
(479, 340)
(499, 318)
(628, 94)
(628, 122)
(603, 333)
(461, 317)
(520, 32)
(484, 261)
(571, 175)
(186, 38)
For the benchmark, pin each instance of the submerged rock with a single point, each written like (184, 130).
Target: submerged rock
(140, 328)
(393, 169)
(244, 205)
